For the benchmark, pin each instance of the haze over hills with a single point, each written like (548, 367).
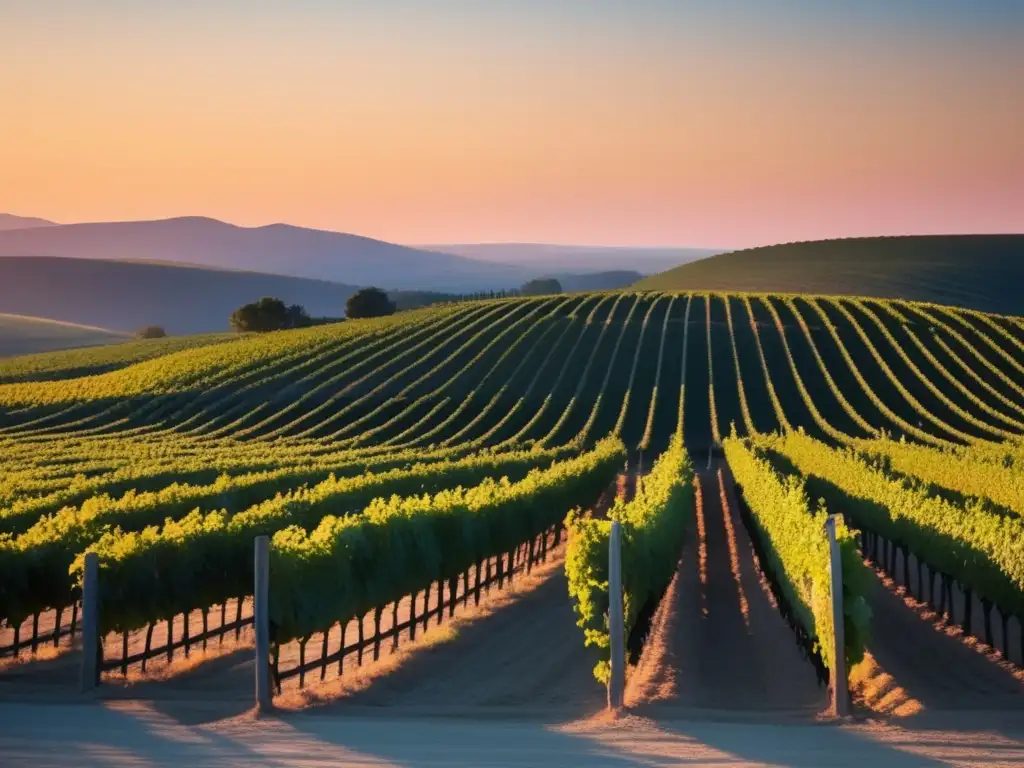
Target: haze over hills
(579, 259)
(9, 221)
(334, 256)
(597, 281)
(277, 249)
(124, 296)
(21, 335)
(189, 274)
(977, 271)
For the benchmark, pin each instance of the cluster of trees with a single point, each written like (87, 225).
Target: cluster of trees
(151, 332)
(539, 287)
(369, 302)
(479, 295)
(272, 314)
(269, 314)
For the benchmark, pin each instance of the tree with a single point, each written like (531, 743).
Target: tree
(541, 287)
(151, 332)
(297, 317)
(267, 314)
(369, 302)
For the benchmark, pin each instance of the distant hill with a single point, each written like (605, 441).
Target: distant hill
(125, 296)
(278, 249)
(9, 221)
(577, 259)
(597, 281)
(22, 335)
(977, 271)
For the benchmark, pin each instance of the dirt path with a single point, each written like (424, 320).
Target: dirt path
(520, 649)
(132, 733)
(921, 665)
(717, 642)
(525, 655)
(718, 649)
(520, 654)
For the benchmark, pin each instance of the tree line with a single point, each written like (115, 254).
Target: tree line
(272, 314)
(540, 287)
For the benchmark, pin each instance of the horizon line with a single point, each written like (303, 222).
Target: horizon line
(495, 243)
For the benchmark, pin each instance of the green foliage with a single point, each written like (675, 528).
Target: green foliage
(407, 300)
(297, 317)
(190, 369)
(202, 559)
(348, 565)
(38, 560)
(151, 332)
(794, 537)
(221, 434)
(73, 363)
(217, 477)
(268, 314)
(653, 526)
(369, 302)
(984, 474)
(974, 544)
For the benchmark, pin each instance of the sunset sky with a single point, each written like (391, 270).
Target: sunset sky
(640, 122)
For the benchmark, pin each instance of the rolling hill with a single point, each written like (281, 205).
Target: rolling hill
(596, 281)
(370, 452)
(278, 249)
(441, 367)
(977, 271)
(110, 353)
(576, 259)
(124, 296)
(10, 221)
(21, 335)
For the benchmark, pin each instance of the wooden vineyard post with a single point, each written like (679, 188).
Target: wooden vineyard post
(616, 682)
(840, 694)
(91, 623)
(261, 622)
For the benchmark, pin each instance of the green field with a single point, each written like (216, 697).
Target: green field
(976, 271)
(166, 454)
(112, 352)
(546, 371)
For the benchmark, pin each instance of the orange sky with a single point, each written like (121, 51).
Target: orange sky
(590, 129)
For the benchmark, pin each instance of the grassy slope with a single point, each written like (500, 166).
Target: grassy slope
(137, 370)
(21, 335)
(72, 363)
(977, 271)
(186, 366)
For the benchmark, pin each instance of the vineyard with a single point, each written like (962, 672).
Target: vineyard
(442, 451)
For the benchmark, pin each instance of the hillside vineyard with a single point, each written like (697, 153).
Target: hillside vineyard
(975, 271)
(406, 450)
(549, 372)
